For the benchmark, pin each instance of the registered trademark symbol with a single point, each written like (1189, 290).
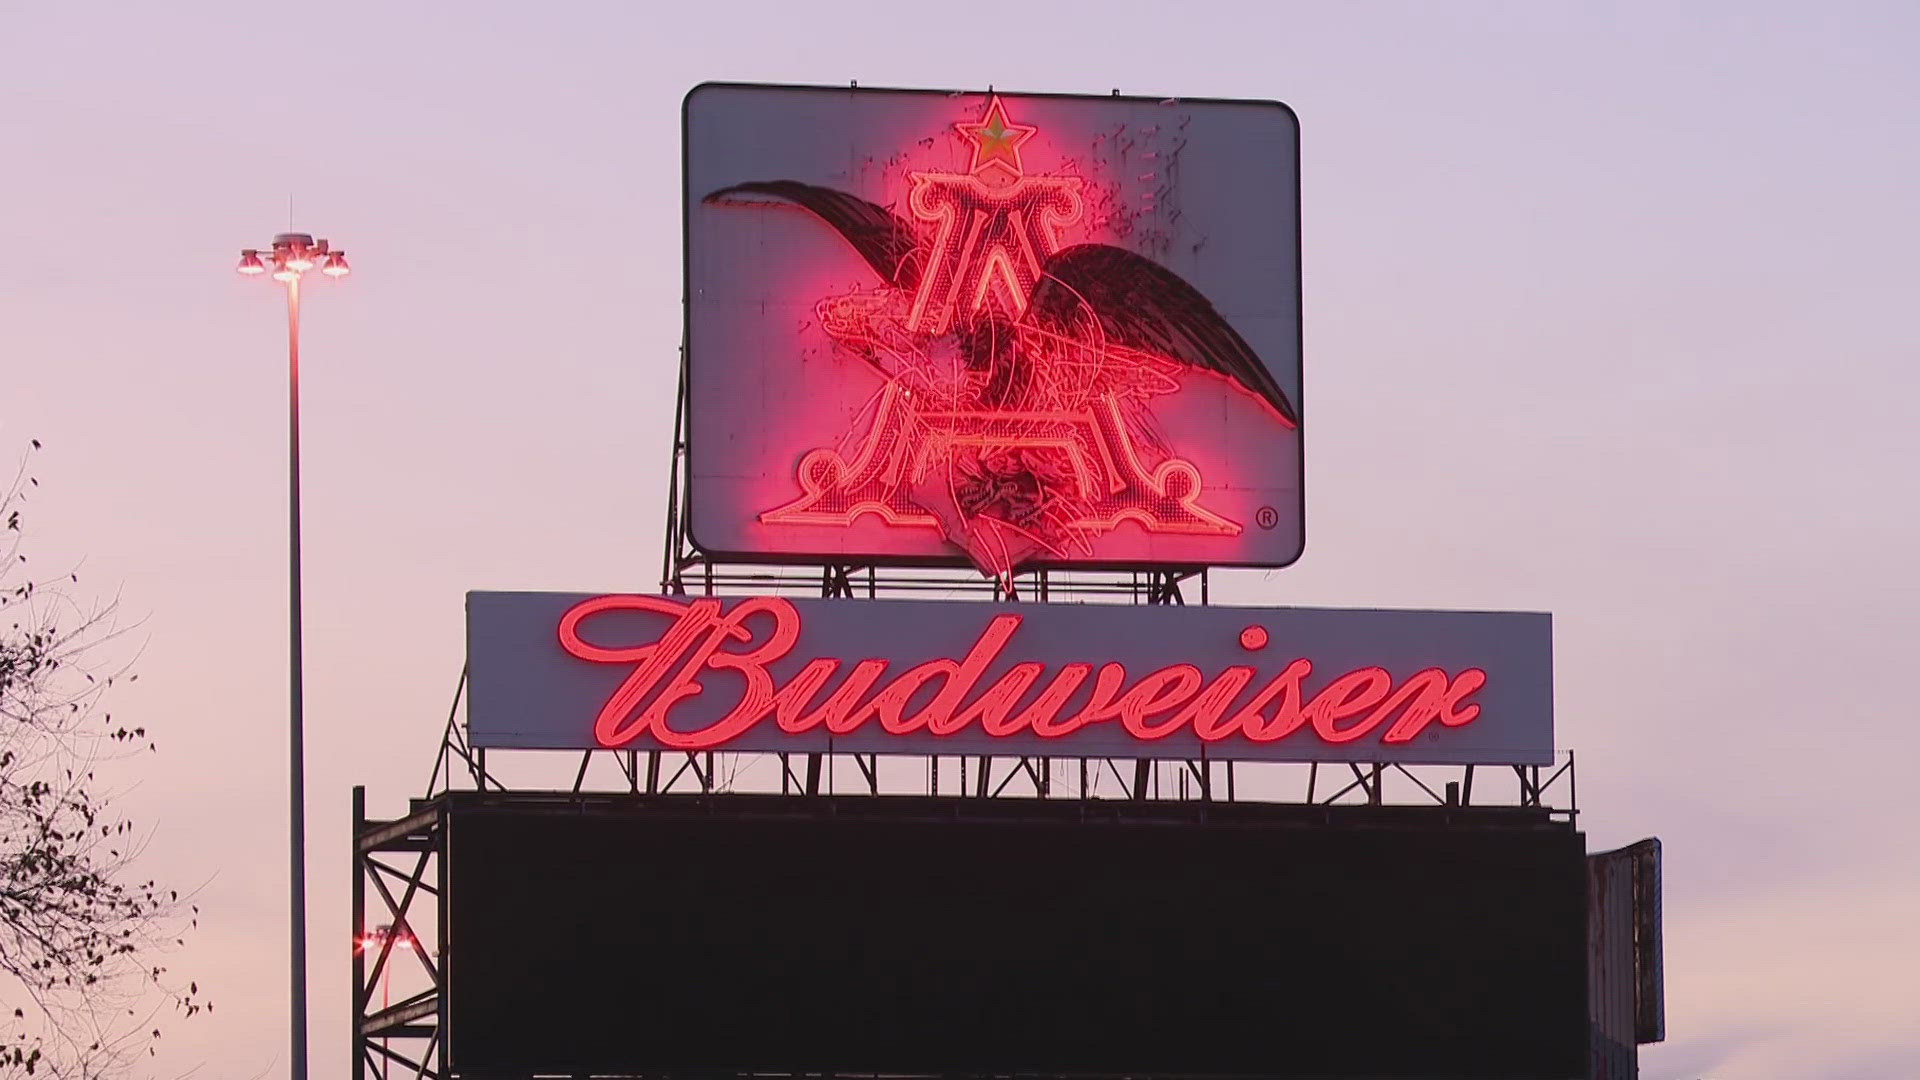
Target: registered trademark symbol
(1266, 517)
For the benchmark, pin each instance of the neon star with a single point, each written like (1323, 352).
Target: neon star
(995, 140)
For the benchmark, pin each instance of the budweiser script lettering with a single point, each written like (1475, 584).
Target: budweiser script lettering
(939, 696)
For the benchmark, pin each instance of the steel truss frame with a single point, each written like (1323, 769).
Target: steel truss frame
(404, 861)
(418, 841)
(400, 863)
(398, 870)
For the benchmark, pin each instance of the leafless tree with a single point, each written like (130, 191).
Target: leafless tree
(81, 931)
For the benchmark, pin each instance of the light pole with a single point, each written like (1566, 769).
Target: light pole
(290, 257)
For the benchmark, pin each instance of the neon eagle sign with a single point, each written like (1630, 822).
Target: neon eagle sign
(1019, 364)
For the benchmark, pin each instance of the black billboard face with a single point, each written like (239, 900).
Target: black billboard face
(661, 941)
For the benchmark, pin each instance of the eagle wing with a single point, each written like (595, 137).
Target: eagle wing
(887, 242)
(1143, 305)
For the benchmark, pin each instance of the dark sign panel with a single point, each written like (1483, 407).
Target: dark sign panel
(992, 328)
(1627, 984)
(765, 673)
(741, 933)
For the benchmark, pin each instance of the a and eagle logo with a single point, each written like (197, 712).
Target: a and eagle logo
(1018, 369)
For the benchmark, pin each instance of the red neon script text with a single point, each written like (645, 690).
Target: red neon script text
(945, 696)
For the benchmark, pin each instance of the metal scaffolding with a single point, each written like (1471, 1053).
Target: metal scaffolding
(402, 861)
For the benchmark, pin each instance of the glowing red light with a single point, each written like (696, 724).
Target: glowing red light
(373, 940)
(988, 229)
(1253, 638)
(1012, 417)
(704, 636)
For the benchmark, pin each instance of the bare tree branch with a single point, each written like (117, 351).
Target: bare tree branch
(80, 931)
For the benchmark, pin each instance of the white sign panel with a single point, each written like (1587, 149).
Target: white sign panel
(762, 673)
(1005, 329)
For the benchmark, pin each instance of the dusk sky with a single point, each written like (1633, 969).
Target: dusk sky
(1608, 313)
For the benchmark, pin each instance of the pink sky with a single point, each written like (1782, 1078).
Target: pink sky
(1607, 313)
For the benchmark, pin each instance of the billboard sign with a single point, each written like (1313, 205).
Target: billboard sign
(1011, 330)
(878, 937)
(765, 673)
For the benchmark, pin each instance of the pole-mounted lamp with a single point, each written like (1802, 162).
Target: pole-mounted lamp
(290, 257)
